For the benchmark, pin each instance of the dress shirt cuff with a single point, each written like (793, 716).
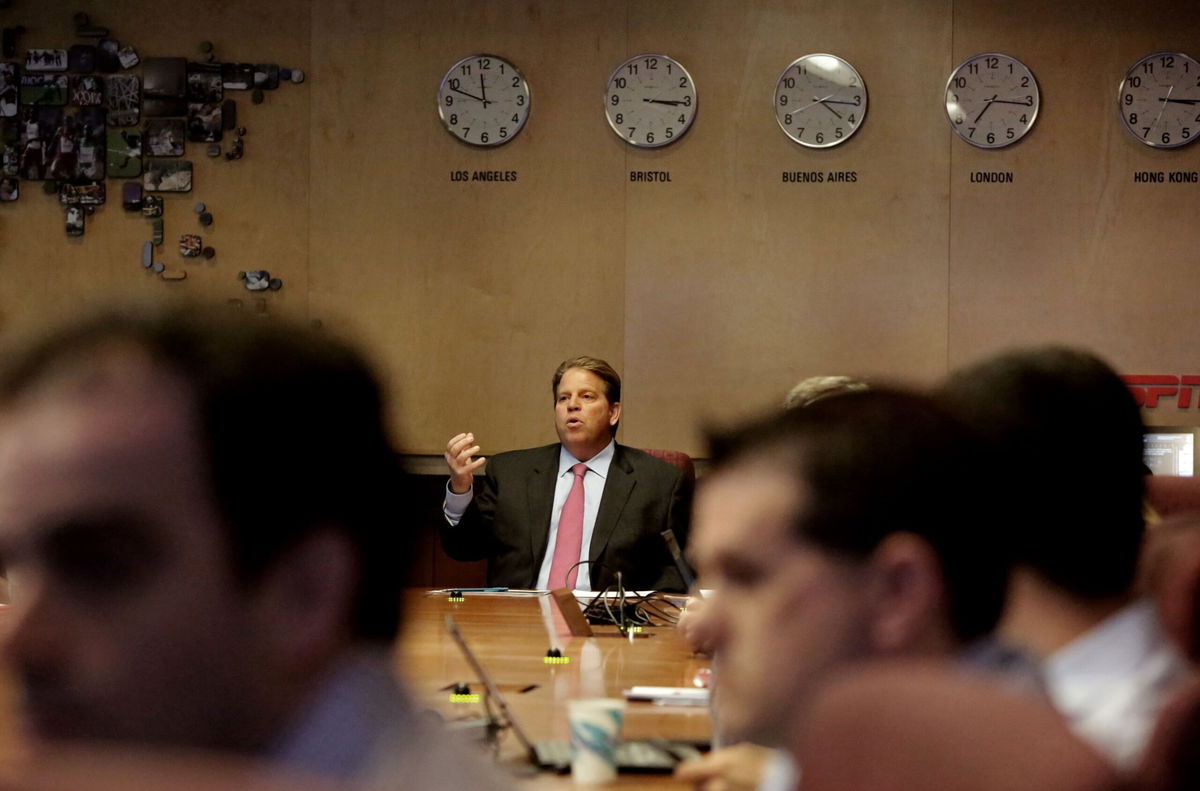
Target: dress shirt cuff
(455, 505)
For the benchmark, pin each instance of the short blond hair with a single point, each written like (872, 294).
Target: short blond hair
(814, 388)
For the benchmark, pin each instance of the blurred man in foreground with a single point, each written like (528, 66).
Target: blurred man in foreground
(1067, 438)
(198, 518)
(845, 530)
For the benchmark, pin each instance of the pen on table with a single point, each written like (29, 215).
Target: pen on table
(472, 590)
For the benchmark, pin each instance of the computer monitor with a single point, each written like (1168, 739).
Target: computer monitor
(1170, 450)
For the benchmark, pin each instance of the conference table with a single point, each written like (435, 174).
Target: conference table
(510, 635)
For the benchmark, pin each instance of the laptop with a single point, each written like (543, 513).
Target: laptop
(633, 755)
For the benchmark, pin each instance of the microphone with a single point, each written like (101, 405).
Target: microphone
(689, 582)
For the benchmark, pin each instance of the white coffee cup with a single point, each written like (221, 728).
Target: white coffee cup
(595, 726)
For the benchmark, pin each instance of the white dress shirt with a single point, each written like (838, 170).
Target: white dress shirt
(455, 505)
(1111, 682)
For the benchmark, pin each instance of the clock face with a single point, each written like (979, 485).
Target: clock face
(992, 100)
(820, 101)
(483, 100)
(650, 101)
(1159, 100)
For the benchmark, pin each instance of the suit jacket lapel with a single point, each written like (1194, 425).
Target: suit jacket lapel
(540, 496)
(617, 488)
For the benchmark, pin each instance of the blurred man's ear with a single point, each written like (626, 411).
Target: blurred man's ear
(907, 596)
(304, 604)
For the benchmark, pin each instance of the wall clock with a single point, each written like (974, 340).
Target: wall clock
(1159, 100)
(650, 101)
(992, 100)
(820, 101)
(483, 100)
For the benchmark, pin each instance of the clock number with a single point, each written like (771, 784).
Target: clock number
(454, 85)
(1166, 138)
(1135, 82)
(1024, 119)
(516, 82)
(515, 119)
(649, 137)
(960, 82)
(502, 68)
(669, 68)
(1128, 99)
(671, 132)
(632, 129)
(615, 100)
(503, 132)
(800, 129)
(466, 69)
(789, 82)
(682, 119)
(620, 82)
(454, 120)
(993, 63)
(970, 131)
(1145, 132)
(858, 101)
(620, 119)
(837, 133)
(851, 119)
(520, 100)
(782, 99)
(1029, 101)
(1167, 62)
(1009, 133)
(485, 63)
(1147, 68)
(787, 119)
(1010, 68)
(632, 67)
(1024, 82)
(958, 120)
(972, 68)
(483, 138)
(820, 137)
(651, 63)
(449, 101)
(1186, 132)
(683, 82)
(466, 131)
(991, 138)
(687, 101)
(1133, 118)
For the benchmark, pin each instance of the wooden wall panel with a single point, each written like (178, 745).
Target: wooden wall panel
(475, 290)
(739, 284)
(1074, 251)
(712, 293)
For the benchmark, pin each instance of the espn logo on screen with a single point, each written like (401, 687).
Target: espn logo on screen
(1147, 390)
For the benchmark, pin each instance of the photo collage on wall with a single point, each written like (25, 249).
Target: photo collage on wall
(72, 118)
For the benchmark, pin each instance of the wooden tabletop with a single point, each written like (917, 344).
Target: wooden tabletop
(510, 636)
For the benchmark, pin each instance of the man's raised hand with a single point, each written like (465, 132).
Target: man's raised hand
(459, 451)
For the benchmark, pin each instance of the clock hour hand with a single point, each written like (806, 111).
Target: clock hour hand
(1023, 103)
(468, 95)
(825, 104)
(663, 101)
(985, 109)
(483, 91)
(1180, 101)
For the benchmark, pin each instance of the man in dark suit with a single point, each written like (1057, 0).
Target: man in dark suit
(542, 514)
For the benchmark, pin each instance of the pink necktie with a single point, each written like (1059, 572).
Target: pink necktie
(570, 535)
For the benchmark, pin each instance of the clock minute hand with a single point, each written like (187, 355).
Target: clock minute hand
(1028, 103)
(1179, 101)
(663, 101)
(468, 95)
